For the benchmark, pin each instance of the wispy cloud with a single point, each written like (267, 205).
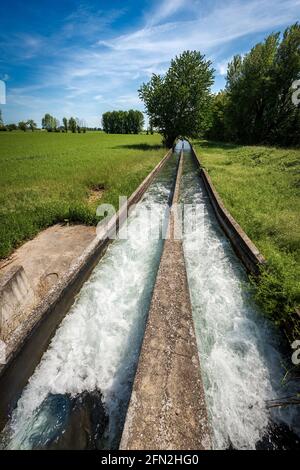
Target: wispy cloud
(105, 70)
(166, 9)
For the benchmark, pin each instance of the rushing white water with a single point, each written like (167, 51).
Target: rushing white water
(238, 348)
(97, 344)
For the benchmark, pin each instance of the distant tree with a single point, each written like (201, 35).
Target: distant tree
(12, 127)
(31, 124)
(65, 123)
(22, 126)
(78, 125)
(49, 123)
(178, 103)
(123, 122)
(72, 125)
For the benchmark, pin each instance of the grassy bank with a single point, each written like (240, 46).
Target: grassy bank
(261, 188)
(50, 177)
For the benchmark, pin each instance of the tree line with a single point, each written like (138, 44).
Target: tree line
(123, 122)
(22, 125)
(260, 103)
(51, 124)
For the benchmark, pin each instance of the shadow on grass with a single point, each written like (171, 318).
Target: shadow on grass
(143, 147)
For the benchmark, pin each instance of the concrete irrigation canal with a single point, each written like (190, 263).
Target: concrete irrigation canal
(163, 347)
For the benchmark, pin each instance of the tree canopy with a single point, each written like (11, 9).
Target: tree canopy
(177, 103)
(50, 123)
(256, 105)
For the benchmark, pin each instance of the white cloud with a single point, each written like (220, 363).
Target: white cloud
(166, 9)
(106, 75)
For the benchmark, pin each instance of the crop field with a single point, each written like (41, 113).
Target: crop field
(47, 178)
(261, 188)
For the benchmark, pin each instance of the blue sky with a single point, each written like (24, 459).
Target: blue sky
(84, 58)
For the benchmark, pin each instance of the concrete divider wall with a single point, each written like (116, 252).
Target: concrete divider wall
(167, 409)
(41, 325)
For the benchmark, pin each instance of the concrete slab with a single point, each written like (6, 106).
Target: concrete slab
(49, 255)
(43, 261)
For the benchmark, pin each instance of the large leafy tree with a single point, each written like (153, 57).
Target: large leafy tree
(177, 103)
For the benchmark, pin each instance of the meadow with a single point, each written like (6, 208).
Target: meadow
(47, 178)
(261, 188)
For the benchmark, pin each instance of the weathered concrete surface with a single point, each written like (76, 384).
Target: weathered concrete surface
(16, 297)
(47, 257)
(39, 265)
(167, 409)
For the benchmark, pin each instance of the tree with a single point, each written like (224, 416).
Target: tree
(178, 103)
(256, 105)
(218, 129)
(22, 126)
(65, 123)
(123, 122)
(49, 123)
(31, 124)
(72, 125)
(12, 127)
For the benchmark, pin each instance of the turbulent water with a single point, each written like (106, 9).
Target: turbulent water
(239, 350)
(98, 343)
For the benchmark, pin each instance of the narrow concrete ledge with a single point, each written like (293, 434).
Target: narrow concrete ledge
(33, 336)
(167, 409)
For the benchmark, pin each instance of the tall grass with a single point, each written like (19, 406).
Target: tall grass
(47, 177)
(261, 188)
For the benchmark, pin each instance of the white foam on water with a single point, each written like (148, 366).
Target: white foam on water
(97, 344)
(238, 348)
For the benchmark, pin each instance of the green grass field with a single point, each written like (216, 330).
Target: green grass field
(261, 188)
(48, 177)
